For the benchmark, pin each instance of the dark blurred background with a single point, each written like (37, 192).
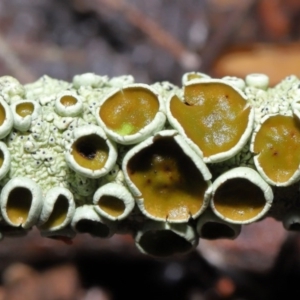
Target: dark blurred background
(154, 41)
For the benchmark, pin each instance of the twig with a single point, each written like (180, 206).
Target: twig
(186, 58)
(48, 52)
(223, 35)
(13, 63)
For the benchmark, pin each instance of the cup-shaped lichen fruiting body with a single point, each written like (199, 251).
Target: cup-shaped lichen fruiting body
(6, 118)
(87, 220)
(68, 104)
(193, 76)
(89, 80)
(24, 111)
(11, 89)
(214, 117)
(257, 80)
(131, 114)
(167, 178)
(291, 220)
(65, 234)
(5, 160)
(211, 227)
(91, 153)
(235, 81)
(113, 201)
(21, 202)
(240, 196)
(276, 143)
(58, 209)
(161, 239)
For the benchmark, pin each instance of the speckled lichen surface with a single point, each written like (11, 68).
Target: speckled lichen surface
(168, 164)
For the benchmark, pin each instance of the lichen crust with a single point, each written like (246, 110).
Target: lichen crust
(164, 163)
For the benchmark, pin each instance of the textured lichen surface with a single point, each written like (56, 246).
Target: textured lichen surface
(71, 140)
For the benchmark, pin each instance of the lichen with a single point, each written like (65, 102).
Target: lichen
(56, 111)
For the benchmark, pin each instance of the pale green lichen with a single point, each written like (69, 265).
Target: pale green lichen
(39, 152)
